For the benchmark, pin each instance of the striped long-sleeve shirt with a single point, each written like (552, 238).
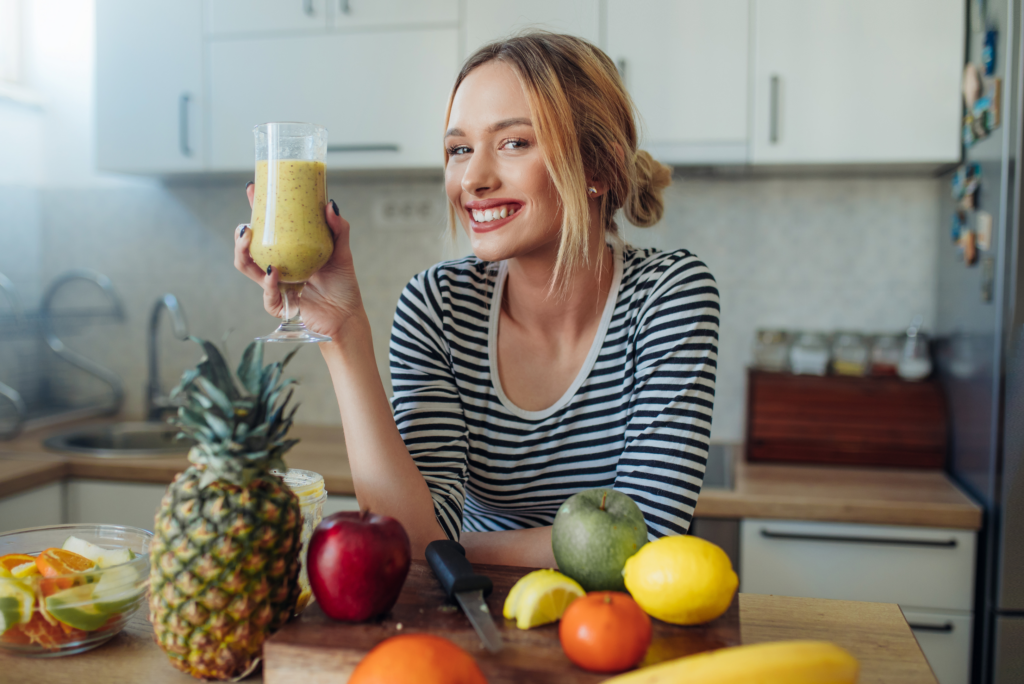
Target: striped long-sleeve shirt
(636, 418)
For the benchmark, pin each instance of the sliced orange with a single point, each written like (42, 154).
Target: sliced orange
(13, 560)
(56, 563)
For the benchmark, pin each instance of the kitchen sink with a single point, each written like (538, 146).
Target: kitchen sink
(120, 440)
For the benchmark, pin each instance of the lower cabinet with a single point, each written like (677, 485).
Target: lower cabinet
(37, 507)
(929, 572)
(336, 504)
(115, 503)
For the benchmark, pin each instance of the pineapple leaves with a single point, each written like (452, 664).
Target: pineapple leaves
(239, 429)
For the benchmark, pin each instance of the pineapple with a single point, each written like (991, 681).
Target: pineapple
(225, 556)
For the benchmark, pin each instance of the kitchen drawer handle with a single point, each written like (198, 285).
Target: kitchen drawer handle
(363, 148)
(945, 628)
(943, 544)
(621, 67)
(345, 7)
(307, 7)
(773, 121)
(183, 124)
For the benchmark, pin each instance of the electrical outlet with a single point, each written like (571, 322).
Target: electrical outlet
(408, 210)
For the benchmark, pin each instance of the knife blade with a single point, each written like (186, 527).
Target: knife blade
(448, 561)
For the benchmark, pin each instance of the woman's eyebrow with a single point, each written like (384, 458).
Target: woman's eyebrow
(494, 128)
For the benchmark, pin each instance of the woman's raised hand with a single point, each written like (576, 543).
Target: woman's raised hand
(331, 296)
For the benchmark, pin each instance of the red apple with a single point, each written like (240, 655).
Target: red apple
(357, 564)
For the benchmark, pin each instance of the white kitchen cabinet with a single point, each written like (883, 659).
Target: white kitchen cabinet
(685, 64)
(856, 81)
(379, 112)
(115, 503)
(945, 640)
(37, 507)
(149, 86)
(929, 572)
(487, 20)
(338, 503)
(355, 14)
(226, 17)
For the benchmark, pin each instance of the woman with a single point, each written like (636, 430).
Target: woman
(553, 360)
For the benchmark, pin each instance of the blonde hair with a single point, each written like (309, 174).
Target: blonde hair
(584, 120)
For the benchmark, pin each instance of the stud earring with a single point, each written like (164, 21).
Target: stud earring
(592, 190)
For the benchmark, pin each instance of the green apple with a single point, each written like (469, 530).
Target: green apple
(595, 531)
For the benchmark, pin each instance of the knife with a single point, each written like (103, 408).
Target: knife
(448, 561)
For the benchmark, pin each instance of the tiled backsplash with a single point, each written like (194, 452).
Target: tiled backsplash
(852, 253)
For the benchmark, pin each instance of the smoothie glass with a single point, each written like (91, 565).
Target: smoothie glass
(289, 229)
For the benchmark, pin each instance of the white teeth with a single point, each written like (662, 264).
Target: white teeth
(493, 214)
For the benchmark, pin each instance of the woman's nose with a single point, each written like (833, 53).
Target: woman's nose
(481, 175)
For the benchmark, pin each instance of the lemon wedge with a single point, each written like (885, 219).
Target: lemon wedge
(545, 599)
(509, 610)
(24, 570)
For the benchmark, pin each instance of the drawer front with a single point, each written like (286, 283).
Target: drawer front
(945, 640)
(914, 566)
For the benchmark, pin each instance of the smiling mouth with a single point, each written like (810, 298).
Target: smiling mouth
(484, 220)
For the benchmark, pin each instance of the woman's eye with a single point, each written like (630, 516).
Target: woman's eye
(514, 144)
(456, 150)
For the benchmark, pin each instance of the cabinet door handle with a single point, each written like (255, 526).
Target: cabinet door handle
(945, 627)
(345, 7)
(383, 147)
(307, 7)
(183, 124)
(773, 111)
(935, 543)
(621, 66)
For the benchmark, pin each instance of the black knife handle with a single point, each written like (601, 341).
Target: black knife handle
(447, 559)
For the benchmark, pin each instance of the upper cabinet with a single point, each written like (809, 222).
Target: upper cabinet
(149, 86)
(487, 20)
(179, 85)
(857, 81)
(379, 113)
(685, 63)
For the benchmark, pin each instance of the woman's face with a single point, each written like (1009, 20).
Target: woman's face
(496, 168)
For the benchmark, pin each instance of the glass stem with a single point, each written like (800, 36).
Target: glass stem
(290, 295)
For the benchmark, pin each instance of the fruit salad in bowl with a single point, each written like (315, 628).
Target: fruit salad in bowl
(69, 588)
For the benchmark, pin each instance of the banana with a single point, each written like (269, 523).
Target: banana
(776, 662)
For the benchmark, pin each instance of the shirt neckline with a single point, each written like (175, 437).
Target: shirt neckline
(588, 363)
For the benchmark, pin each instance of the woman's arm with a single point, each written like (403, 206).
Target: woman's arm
(529, 548)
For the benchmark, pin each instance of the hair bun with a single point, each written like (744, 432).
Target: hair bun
(645, 206)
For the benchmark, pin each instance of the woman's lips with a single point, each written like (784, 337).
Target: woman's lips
(491, 225)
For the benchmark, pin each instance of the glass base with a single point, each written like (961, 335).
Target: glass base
(294, 332)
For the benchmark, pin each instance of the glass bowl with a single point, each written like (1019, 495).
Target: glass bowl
(76, 611)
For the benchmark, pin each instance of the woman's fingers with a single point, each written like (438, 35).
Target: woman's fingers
(271, 293)
(250, 191)
(244, 262)
(335, 222)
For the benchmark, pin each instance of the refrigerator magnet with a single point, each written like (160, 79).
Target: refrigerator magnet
(959, 221)
(983, 226)
(968, 247)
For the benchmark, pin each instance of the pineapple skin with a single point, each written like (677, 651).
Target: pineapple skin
(224, 571)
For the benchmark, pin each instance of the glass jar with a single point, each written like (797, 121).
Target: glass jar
(309, 487)
(771, 350)
(885, 355)
(850, 354)
(809, 355)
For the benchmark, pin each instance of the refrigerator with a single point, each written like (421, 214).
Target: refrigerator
(979, 352)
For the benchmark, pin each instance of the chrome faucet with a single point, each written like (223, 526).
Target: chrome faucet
(156, 403)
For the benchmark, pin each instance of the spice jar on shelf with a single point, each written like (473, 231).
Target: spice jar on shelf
(771, 350)
(885, 355)
(850, 354)
(809, 355)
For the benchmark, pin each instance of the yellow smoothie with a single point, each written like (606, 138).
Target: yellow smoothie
(289, 230)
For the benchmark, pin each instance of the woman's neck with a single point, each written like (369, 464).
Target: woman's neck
(568, 312)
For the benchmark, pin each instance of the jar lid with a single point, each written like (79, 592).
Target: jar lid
(306, 484)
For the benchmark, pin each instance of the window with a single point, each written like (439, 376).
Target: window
(10, 42)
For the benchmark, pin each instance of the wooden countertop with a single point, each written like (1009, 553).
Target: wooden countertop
(793, 492)
(875, 633)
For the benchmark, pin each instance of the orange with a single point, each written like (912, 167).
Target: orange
(56, 563)
(605, 631)
(13, 560)
(417, 659)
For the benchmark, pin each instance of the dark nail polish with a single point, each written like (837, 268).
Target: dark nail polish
(241, 233)
(334, 206)
(249, 183)
(268, 269)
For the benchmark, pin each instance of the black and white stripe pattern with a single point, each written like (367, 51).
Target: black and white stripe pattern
(637, 419)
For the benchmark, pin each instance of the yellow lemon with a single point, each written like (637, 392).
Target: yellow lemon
(542, 598)
(512, 600)
(682, 580)
(25, 570)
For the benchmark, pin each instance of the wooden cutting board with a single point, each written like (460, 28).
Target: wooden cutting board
(314, 649)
